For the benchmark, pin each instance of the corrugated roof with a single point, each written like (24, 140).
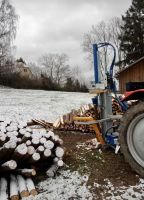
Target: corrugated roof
(139, 60)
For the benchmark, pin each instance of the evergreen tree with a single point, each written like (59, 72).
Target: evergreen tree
(132, 38)
(69, 85)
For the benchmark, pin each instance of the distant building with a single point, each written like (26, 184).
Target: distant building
(23, 70)
(132, 73)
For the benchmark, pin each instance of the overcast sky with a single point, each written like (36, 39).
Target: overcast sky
(58, 26)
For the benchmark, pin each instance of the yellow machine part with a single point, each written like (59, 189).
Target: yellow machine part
(93, 126)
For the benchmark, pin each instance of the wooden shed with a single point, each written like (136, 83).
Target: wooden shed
(132, 73)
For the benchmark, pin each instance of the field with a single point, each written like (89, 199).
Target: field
(88, 174)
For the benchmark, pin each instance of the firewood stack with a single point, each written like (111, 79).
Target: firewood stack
(66, 121)
(24, 151)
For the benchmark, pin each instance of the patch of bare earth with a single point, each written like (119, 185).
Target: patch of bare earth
(102, 167)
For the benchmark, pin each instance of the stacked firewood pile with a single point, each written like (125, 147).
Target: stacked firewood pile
(116, 109)
(66, 122)
(24, 151)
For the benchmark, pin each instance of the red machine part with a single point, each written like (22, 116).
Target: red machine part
(133, 95)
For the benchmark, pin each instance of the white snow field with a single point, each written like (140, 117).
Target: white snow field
(49, 105)
(39, 104)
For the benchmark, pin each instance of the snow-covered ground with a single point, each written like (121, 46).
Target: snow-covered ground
(39, 104)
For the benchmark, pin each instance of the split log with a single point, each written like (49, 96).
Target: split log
(8, 166)
(26, 172)
(22, 186)
(30, 186)
(52, 170)
(14, 194)
(3, 189)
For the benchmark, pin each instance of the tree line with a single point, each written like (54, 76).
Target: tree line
(52, 71)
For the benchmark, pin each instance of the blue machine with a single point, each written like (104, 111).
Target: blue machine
(103, 87)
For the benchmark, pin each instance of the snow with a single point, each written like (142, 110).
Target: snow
(68, 185)
(39, 104)
(119, 193)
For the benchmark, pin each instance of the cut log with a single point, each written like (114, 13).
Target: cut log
(26, 137)
(20, 152)
(30, 150)
(22, 132)
(28, 142)
(15, 133)
(31, 187)
(19, 140)
(40, 149)
(56, 159)
(60, 141)
(26, 172)
(8, 166)
(2, 139)
(42, 140)
(29, 130)
(60, 163)
(3, 189)
(35, 157)
(52, 170)
(49, 144)
(35, 141)
(14, 194)
(7, 149)
(47, 153)
(52, 135)
(59, 152)
(13, 139)
(22, 186)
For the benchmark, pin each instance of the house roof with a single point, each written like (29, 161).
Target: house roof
(139, 60)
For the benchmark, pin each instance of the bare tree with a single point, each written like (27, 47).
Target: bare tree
(8, 25)
(56, 66)
(104, 32)
(115, 30)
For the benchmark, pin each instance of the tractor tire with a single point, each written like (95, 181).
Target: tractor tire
(132, 137)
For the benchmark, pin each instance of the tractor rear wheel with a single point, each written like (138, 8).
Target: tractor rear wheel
(132, 137)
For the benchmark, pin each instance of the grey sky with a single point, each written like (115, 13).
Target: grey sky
(58, 26)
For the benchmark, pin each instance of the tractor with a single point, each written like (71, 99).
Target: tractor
(128, 133)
